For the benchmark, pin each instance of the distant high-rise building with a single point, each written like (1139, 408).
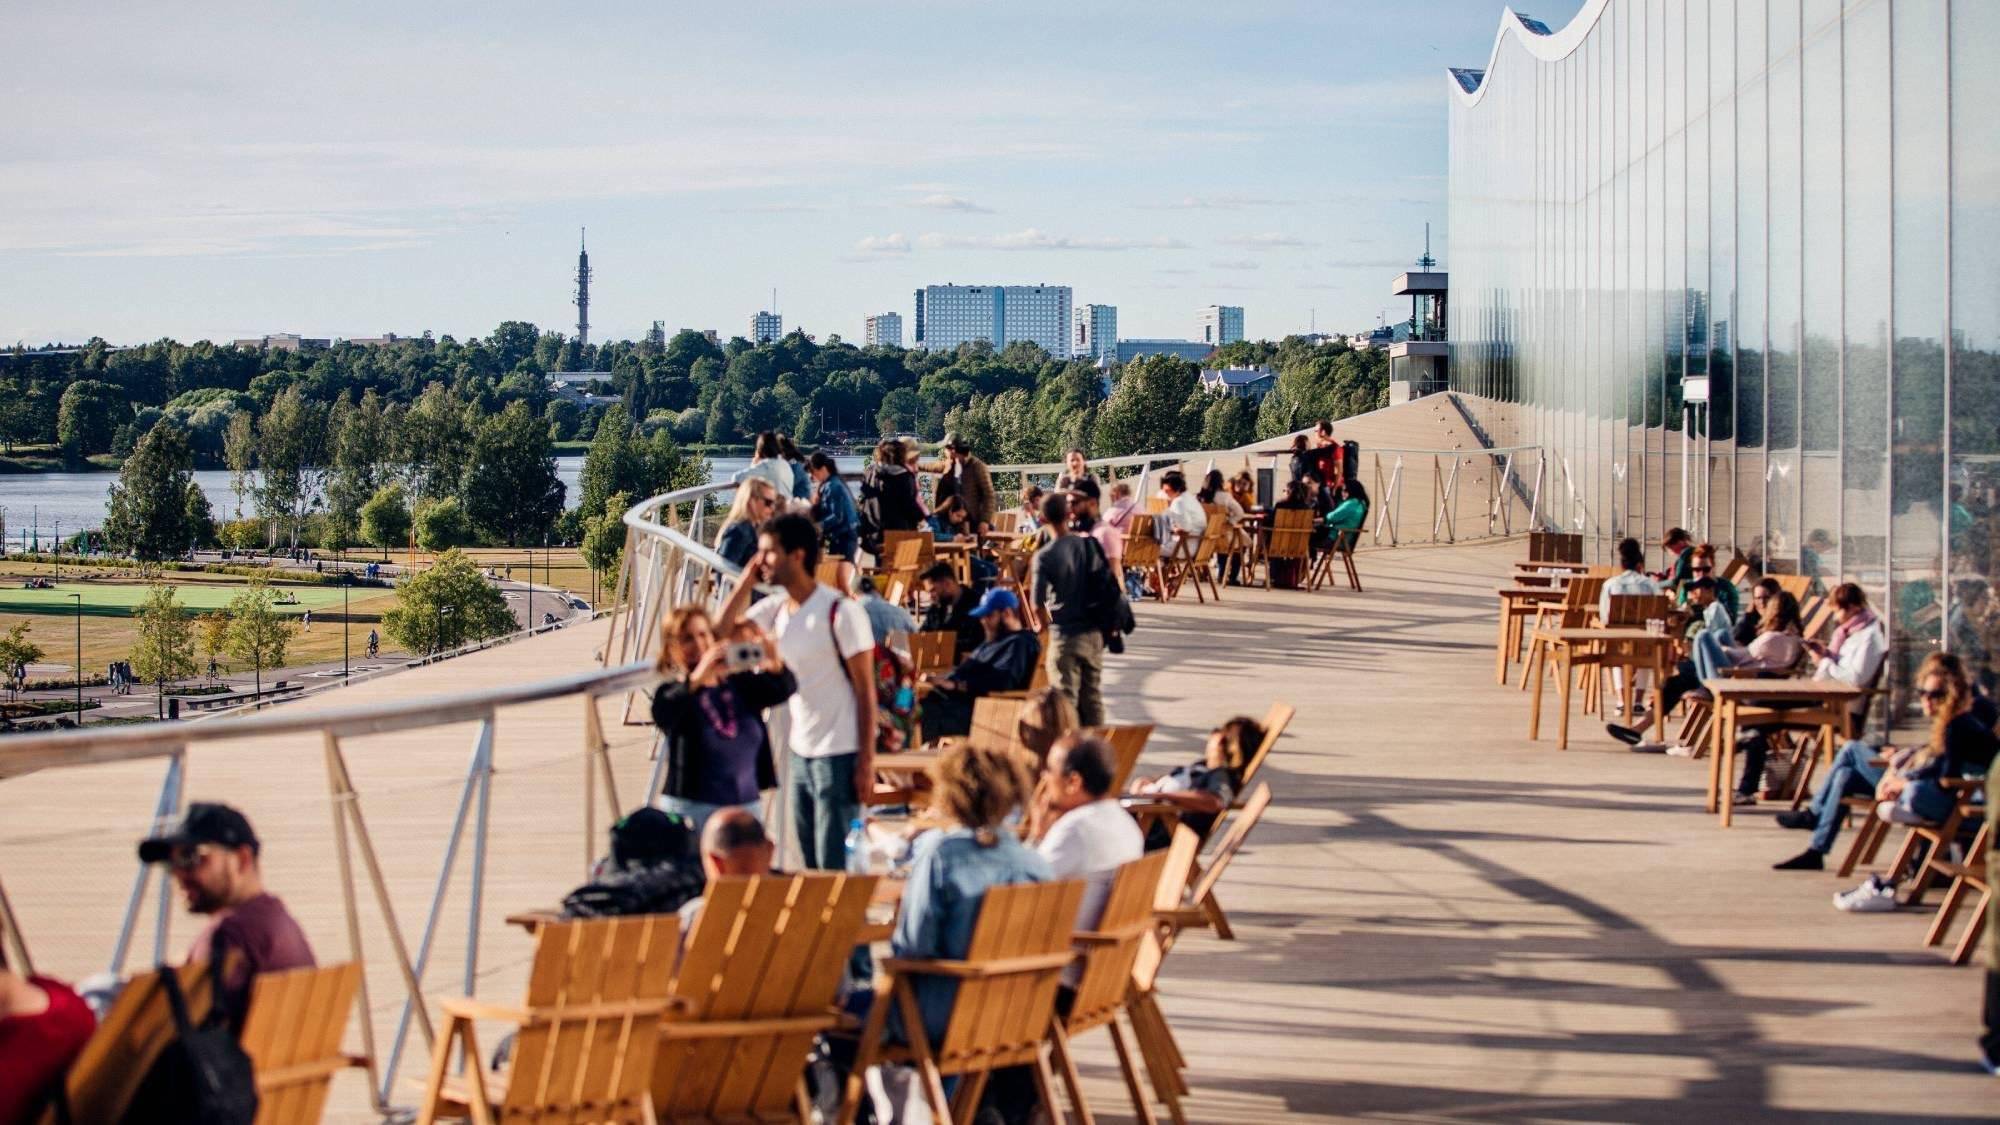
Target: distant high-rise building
(582, 300)
(917, 338)
(950, 315)
(283, 342)
(656, 336)
(884, 330)
(766, 327)
(1195, 350)
(1096, 335)
(1221, 324)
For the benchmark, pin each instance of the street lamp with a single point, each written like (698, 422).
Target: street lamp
(346, 622)
(79, 659)
(444, 611)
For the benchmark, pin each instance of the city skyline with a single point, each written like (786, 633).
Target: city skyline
(438, 182)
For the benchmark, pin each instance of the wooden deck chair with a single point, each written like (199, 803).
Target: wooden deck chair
(1165, 1063)
(1342, 548)
(926, 548)
(1202, 908)
(1007, 521)
(1193, 560)
(1143, 554)
(933, 651)
(1932, 861)
(292, 1034)
(827, 573)
(1274, 723)
(108, 1071)
(1968, 887)
(1155, 505)
(1573, 612)
(994, 719)
(1107, 952)
(586, 1036)
(1291, 543)
(1002, 1013)
(759, 979)
(1735, 571)
(1797, 585)
(1128, 743)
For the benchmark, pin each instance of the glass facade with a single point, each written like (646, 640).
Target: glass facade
(1796, 202)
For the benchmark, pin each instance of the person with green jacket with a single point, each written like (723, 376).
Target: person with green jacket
(1352, 511)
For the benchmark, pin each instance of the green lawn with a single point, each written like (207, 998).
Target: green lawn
(116, 598)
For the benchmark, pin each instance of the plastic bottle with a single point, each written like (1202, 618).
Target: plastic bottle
(858, 849)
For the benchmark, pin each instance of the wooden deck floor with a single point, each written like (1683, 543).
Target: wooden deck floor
(1438, 920)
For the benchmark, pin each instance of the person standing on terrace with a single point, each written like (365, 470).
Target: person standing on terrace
(824, 638)
(767, 460)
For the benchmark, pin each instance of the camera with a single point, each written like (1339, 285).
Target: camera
(745, 656)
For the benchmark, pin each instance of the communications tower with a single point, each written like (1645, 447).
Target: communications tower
(582, 300)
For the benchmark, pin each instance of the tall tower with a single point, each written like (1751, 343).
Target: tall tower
(582, 300)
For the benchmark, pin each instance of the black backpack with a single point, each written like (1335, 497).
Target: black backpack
(202, 1077)
(1105, 600)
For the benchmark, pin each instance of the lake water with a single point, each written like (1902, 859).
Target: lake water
(41, 504)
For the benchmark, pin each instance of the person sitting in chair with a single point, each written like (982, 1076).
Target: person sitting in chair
(1203, 790)
(1006, 662)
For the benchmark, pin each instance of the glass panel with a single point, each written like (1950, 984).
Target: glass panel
(1973, 402)
(1781, 481)
(1820, 257)
(1864, 424)
(1752, 279)
(1722, 272)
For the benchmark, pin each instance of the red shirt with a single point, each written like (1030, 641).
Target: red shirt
(35, 1051)
(262, 931)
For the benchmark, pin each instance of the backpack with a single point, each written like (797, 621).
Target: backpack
(895, 690)
(1105, 602)
(203, 1076)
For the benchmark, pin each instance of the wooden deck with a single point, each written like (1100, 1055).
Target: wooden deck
(1437, 920)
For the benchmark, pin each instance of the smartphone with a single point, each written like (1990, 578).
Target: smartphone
(745, 656)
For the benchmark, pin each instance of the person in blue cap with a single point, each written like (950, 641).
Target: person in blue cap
(1005, 662)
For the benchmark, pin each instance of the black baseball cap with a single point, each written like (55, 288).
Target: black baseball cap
(205, 823)
(1084, 486)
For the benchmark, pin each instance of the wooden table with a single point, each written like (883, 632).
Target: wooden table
(1517, 603)
(1571, 567)
(1821, 703)
(1629, 648)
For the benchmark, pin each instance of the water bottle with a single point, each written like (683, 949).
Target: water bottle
(906, 698)
(857, 847)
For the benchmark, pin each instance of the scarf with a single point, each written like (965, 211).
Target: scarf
(1849, 627)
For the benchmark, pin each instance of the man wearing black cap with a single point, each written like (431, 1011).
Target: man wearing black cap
(213, 856)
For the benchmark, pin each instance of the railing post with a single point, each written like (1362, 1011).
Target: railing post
(165, 809)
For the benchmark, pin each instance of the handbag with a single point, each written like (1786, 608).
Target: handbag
(202, 1077)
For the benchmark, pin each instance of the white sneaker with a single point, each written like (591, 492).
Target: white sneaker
(1893, 812)
(1679, 751)
(1872, 897)
(1649, 748)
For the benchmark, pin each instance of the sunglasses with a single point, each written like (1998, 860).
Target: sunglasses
(189, 859)
(1936, 696)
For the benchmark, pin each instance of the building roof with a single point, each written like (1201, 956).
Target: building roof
(1237, 376)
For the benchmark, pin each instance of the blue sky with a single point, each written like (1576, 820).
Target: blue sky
(222, 170)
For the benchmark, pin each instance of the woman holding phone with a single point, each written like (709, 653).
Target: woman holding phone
(710, 712)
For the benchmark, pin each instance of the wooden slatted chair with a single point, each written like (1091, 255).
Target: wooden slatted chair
(1193, 560)
(587, 1032)
(933, 651)
(1108, 951)
(1342, 549)
(1926, 847)
(108, 1071)
(1143, 553)
(1968, 886)
(1128, 744)
(1165, 1063)
(1573, 612)
(994, 719)
(1291, 543)
(759, 979)
(292, 1034)
(827, 573)
(1274, 723)
(1202, 908)
(1002, 1013)
(1797, 585)
(1735, 571)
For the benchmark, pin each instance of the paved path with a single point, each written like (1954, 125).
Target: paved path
(1438, 921)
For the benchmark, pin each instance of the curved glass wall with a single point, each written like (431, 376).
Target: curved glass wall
(1795, 201)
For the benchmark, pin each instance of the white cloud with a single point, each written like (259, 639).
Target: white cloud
(1268, 241)
(1033, 239)
(876, 244)
(1235, 264)
(1215, 203)
(939, 201)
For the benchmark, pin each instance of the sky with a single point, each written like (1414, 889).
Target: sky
(222, 170)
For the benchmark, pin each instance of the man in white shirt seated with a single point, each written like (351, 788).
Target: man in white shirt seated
(1186, 517)
(1084, 832)
(1631, 579)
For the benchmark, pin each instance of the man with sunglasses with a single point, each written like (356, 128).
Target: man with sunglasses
(213, 855)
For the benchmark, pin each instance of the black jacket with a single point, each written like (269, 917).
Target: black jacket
(679, 718)
(956, 616)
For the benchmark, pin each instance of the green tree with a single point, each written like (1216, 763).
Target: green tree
(447, 605)
(511, 491)
(291, 452)
(156, 510)
(89, 415)
(385, 519)
(1229, 421)
(436, 439)
(213, 631)
(441, 525)
(163, 652)
(258, 633)
(362, 451)
(239, 451)
(603, 542)
(17, 651)
(1146, 412)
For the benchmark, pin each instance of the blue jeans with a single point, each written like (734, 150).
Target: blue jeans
(823, 805)
(698, 812)
(1851, 776)
(1709, 655)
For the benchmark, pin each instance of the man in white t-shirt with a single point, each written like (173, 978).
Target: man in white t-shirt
(1185, 513)
(827, 643)
(1091, 836)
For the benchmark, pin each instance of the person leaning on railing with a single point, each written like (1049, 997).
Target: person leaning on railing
(756, 501)
(711, 716)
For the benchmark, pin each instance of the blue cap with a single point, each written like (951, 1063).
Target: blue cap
(995, 600)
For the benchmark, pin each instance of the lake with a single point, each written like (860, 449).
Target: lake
(41, 503)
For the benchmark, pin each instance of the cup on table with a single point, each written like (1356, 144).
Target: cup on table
(1656, 626)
